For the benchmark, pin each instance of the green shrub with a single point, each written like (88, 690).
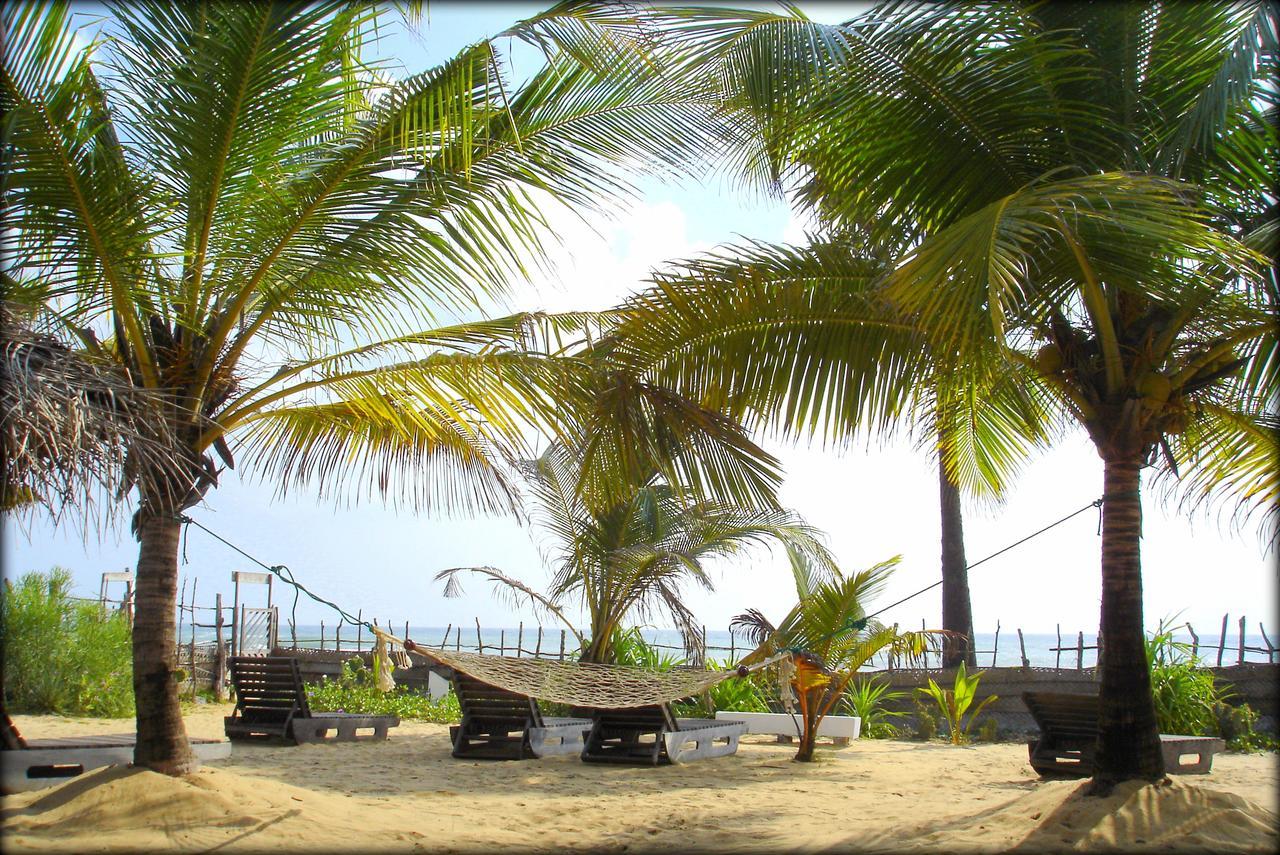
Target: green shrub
(630, 648)
(63, 656)
(927, 720)
(865, 699)
(1236, 726)
(739, 694)
(355, 691)
(953, 703)
(988, 731)
(1186, 695)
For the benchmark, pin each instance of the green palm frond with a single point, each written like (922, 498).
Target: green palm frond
(629, 561)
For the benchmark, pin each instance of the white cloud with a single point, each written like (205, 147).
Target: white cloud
(599, 263)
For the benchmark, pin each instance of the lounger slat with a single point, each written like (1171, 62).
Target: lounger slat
(1069, 733)
(271, 702)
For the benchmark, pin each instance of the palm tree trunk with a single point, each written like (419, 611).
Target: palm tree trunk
(1128, 737)
(809, 715)
(957, 612)
(162, 737)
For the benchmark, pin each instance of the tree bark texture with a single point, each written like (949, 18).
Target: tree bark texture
(162, 737)
(1128, 736)
(957, 611)
(809, 734)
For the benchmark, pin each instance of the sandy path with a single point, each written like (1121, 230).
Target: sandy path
(408, 793)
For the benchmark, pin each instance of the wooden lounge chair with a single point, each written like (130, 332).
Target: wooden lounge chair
(498, 724)
(30, 764)
(271, 703)
(652, 734)
(1069, 733)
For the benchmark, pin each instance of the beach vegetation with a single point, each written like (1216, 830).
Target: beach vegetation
(927, 719)
(631, 648)
(1186, 694)
(1071, 203)
(868, 699)
(829, 638)
(988, 731)
(1238, 726)
(256, 222)
(953, 703)
(63, 655)
(627, 561)
(356, 691)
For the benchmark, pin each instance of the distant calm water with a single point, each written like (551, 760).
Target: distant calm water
(1038, 645)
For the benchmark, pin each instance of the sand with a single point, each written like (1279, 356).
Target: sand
(408, 794)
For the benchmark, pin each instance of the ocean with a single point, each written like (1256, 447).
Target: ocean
(721, 645)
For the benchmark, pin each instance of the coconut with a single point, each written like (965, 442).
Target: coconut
(1154, 387)
(1049, 359)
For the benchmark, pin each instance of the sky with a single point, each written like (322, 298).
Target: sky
(873, 501)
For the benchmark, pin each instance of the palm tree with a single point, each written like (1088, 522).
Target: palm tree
(261, 230)
(831, 637)
(627, 561)
(1083, 188)
(841, 359)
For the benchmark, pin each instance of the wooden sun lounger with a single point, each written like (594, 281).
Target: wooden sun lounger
(498, 724)
(30, 764)
(652, 734)
(271, 703)
(1069, 733)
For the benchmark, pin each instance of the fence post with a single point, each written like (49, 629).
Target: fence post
(1057, 653)
(128, 602)
(537, 648)
(562, 645)
(1222, 639)
(1240, 660)
(457, 639)
(220, 655)
(192, 657)
(1271, 651)
(337, 636)
(1195, 642)
(995, 644)
(275, 627)
(733, 649)
(1080, 651)
(406, 630)
(502, 642)
(359, 630)
(1023, 648)
(182, 605)
(479, 642)
(520, 640)
(322, 635)
(704, 644)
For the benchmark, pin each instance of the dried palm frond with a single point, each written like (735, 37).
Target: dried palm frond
(74, 430)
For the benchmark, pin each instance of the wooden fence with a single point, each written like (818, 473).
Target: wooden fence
(206, 667)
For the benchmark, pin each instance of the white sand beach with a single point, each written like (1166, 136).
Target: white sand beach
(408, 794)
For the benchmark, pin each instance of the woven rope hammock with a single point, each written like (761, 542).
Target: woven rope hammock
(580, 683)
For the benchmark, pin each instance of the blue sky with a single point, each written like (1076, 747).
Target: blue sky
(873, 502)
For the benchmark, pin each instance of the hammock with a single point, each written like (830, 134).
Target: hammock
(582, 684)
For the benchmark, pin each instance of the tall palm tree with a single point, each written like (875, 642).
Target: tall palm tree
(832, 638)
(841, 360)
(1084, 189)
(627, 561)
(262, 230)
